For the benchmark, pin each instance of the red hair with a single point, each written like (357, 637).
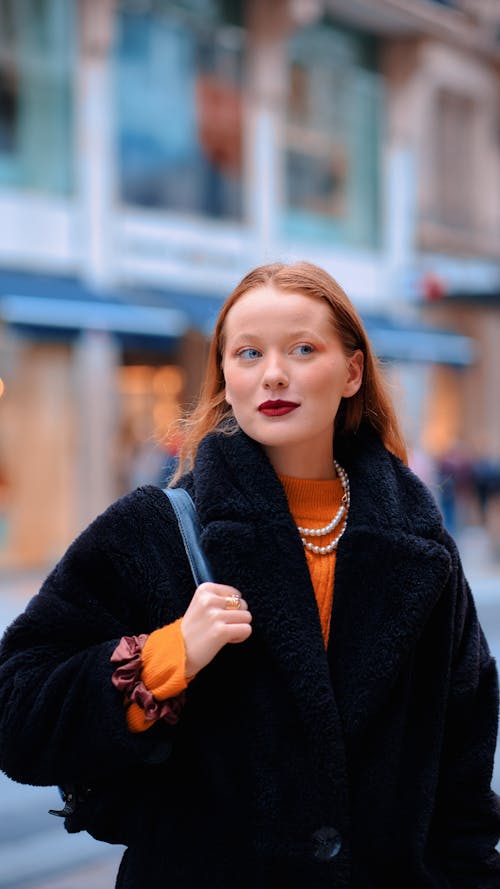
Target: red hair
(371, 405)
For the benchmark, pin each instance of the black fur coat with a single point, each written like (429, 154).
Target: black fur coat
(365, 766)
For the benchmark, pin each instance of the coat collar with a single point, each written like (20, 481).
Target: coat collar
(390, 571)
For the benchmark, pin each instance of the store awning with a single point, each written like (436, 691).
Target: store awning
(58, 304)
(201, 309)
(81, 314)
(395, 339)
(55, 305)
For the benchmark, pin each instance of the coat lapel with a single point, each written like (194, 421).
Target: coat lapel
(386, 587)
(253, 544)
(389, 575)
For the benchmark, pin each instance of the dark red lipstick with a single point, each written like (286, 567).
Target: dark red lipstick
(277, 408)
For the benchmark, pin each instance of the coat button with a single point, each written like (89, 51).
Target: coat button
(326, 843)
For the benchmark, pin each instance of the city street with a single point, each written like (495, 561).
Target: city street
(36, 852)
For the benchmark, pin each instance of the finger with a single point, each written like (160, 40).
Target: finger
(221, 596)
(233, 603)
(239, 633)
(214, 592)
(235, 616)
(208, 591)
(241, 609)
(221, 589)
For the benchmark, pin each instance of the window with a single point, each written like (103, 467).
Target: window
(455, 160)
(36, 59)
(332, 137)
(179, 106)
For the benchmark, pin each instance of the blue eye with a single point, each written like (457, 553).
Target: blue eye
(248, 353)
(304, 349)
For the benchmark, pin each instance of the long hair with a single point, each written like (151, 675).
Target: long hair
(371, 405)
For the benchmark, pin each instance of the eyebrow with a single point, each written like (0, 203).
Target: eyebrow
(294, 334)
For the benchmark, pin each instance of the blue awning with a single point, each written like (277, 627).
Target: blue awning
(57, 305)
(201, 309)
(395, 339)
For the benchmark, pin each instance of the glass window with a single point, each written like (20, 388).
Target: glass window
(179, 106)
(332, 137)
(36, 65)
(455, 170)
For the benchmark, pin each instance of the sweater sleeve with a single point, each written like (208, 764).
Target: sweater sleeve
(163, 671)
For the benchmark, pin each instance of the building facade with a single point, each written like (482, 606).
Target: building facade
(151, 152)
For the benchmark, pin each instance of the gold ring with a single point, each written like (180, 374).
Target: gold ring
(233, 602)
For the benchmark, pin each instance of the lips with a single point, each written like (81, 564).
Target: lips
(277, 408)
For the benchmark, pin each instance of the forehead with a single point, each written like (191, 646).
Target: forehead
(268, 305)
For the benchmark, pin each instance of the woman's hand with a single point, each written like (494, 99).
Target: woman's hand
(209, 623)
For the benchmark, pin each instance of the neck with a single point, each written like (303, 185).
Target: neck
(302, 462)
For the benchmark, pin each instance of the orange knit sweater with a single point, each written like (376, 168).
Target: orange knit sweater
(312, 504)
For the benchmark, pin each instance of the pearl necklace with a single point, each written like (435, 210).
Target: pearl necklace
(339, 515)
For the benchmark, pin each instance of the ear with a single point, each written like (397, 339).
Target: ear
(355, 367)
(224, 388)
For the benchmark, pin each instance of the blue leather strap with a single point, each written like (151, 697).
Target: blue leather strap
(189, 527)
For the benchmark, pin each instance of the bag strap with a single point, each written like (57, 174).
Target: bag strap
(189, 526)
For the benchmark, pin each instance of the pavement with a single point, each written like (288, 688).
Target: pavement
(100, 875)
(36, 852)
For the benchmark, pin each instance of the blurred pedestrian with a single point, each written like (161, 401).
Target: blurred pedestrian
(486, 480)
(455, 484)
(5, 501)
(325, 714)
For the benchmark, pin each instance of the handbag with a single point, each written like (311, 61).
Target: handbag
(82, 802)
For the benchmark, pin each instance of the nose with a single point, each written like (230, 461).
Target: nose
(275, 374)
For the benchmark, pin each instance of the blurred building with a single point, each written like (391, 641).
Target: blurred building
(151, 152)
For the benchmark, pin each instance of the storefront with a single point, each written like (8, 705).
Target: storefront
(91, 386)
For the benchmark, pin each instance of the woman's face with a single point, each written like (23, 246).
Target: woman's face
(285, 372)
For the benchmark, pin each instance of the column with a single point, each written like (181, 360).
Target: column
(267, 24)
(94, 130)
(96, 359)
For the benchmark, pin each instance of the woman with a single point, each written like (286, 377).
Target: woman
(325, 714)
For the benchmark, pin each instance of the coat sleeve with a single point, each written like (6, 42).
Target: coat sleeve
(468, 814)
(61, 718)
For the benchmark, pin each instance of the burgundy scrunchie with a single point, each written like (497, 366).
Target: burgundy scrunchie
(127, 679)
